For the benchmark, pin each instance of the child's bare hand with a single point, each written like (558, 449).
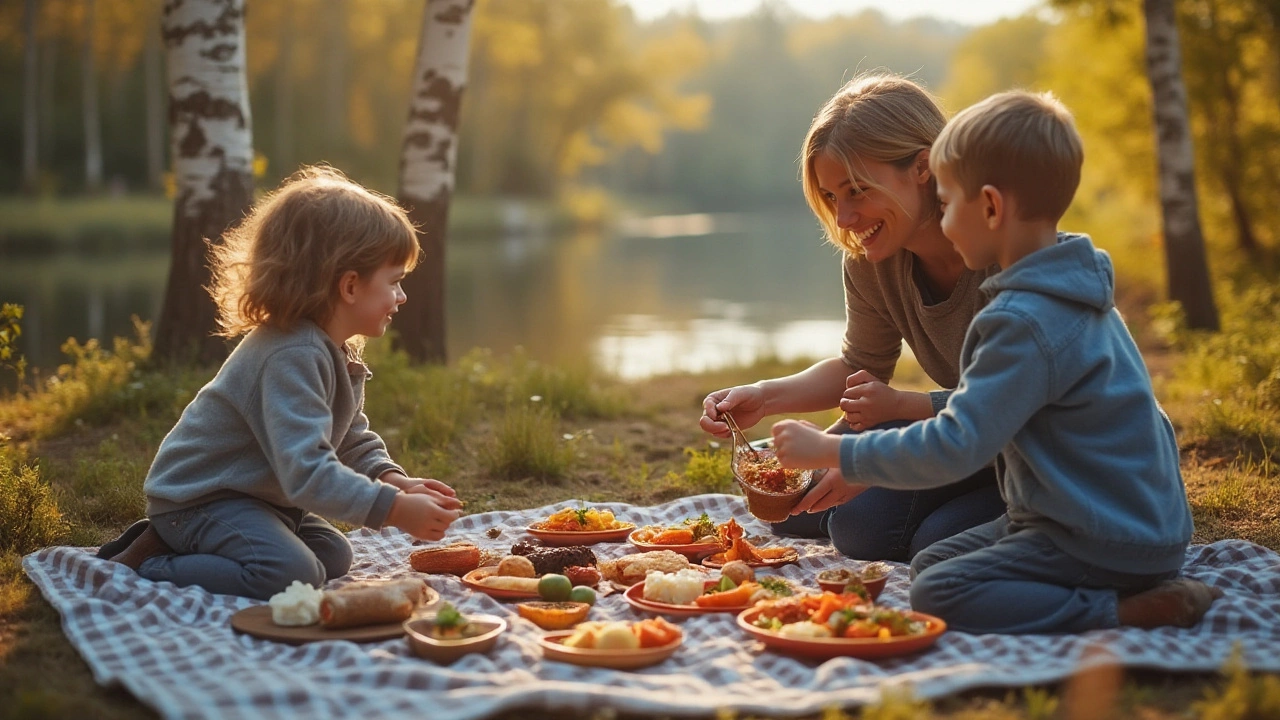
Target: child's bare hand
(801, 444)
(422, 514)
(445, 496)
(867, 402)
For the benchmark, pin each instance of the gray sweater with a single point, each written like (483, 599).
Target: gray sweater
(283, 421)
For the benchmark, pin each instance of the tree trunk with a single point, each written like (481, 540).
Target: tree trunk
(1184, 252)
(335, 74)
(30, 118)
(284, 146)
(89, 98)
(428, 156)
(212, 149)
(153, 89)
(47, 70)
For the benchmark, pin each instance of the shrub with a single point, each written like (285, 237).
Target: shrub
(526, 443)
(1233, 376)
(29, 515)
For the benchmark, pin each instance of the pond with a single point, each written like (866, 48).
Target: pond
(655, 295)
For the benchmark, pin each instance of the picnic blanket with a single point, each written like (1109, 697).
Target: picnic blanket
(174, 649)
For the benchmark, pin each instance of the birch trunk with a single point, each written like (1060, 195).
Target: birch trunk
(427, 168)
(89, 106)
(1184, 251)
(30, 118)
(211, 144)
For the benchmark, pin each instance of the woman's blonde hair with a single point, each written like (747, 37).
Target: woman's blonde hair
(282, 263)
(879, 117)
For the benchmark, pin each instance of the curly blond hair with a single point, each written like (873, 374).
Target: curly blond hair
(876, 116)
(282, 263)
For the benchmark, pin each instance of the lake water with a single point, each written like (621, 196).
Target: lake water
(655, 295)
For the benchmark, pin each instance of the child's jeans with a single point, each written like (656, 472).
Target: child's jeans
(997, 578)
(243, 546)
(883, 524)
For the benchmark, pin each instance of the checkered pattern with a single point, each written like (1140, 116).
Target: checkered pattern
(174, 648)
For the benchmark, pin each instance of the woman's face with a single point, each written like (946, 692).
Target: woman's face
(882, 220)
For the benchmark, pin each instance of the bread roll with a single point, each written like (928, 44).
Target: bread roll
(455, 559)
(371, 604)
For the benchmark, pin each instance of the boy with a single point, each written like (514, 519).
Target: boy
(1097, 522)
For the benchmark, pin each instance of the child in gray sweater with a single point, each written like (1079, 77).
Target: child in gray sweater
(279, 437)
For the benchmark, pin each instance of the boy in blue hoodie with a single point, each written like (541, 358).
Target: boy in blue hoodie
(1053, 386)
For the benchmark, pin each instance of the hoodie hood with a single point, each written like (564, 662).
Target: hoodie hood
(1071, 270)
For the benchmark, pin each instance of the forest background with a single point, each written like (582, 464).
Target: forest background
(577, 109)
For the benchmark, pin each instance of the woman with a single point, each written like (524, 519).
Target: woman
(866, 176)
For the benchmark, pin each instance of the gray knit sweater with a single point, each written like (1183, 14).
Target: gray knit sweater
(283, 421)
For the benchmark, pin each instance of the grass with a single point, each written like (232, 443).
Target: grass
(510, 433)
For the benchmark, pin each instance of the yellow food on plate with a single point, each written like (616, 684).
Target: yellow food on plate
(580, 520)
(648, 633)
(553, 615)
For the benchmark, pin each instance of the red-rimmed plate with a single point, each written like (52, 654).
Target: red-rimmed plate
(717, 560)
(635, 597)
(862, 648)
(473, 578)
(553, 648)
(693, 551)
(561, 538)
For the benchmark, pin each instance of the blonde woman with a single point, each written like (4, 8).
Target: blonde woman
(865, 174)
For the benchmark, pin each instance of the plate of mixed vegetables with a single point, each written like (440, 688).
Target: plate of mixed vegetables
(830, 625)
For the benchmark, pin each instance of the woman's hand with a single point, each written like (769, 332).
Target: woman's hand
(422, 515)
(746, 402)
(829, 491)
(867, 402)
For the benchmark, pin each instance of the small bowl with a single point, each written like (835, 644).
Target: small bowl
(447, 651)
(874, 581)
(768, 506)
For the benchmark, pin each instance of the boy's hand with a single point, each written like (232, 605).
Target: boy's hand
(421, 515)
(746, 402)
(867, 402)
(830, 490)
(801, 444)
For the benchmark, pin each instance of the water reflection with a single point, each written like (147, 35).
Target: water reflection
(673, 293)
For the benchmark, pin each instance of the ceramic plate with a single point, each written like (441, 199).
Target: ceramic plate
(560, 538)
(864, 648)
(717, 560)
(424, 645)
(635, 597)
(693, 551)
(553, 649)
(472, 579)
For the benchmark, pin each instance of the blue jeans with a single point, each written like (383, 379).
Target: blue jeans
(1000, 578)
(243, 546)
(883, 524)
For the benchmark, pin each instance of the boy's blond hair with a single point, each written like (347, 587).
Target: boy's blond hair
(1025, 144)
(282, 263)
(879, 117)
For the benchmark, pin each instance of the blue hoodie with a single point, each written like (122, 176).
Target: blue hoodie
(1052, 380)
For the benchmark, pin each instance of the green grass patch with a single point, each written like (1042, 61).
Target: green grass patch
(1230, 378)
(527, 443)
(29, 514)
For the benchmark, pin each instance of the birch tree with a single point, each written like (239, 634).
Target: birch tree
(1184, 252)
(427, 167)
(212, 149)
